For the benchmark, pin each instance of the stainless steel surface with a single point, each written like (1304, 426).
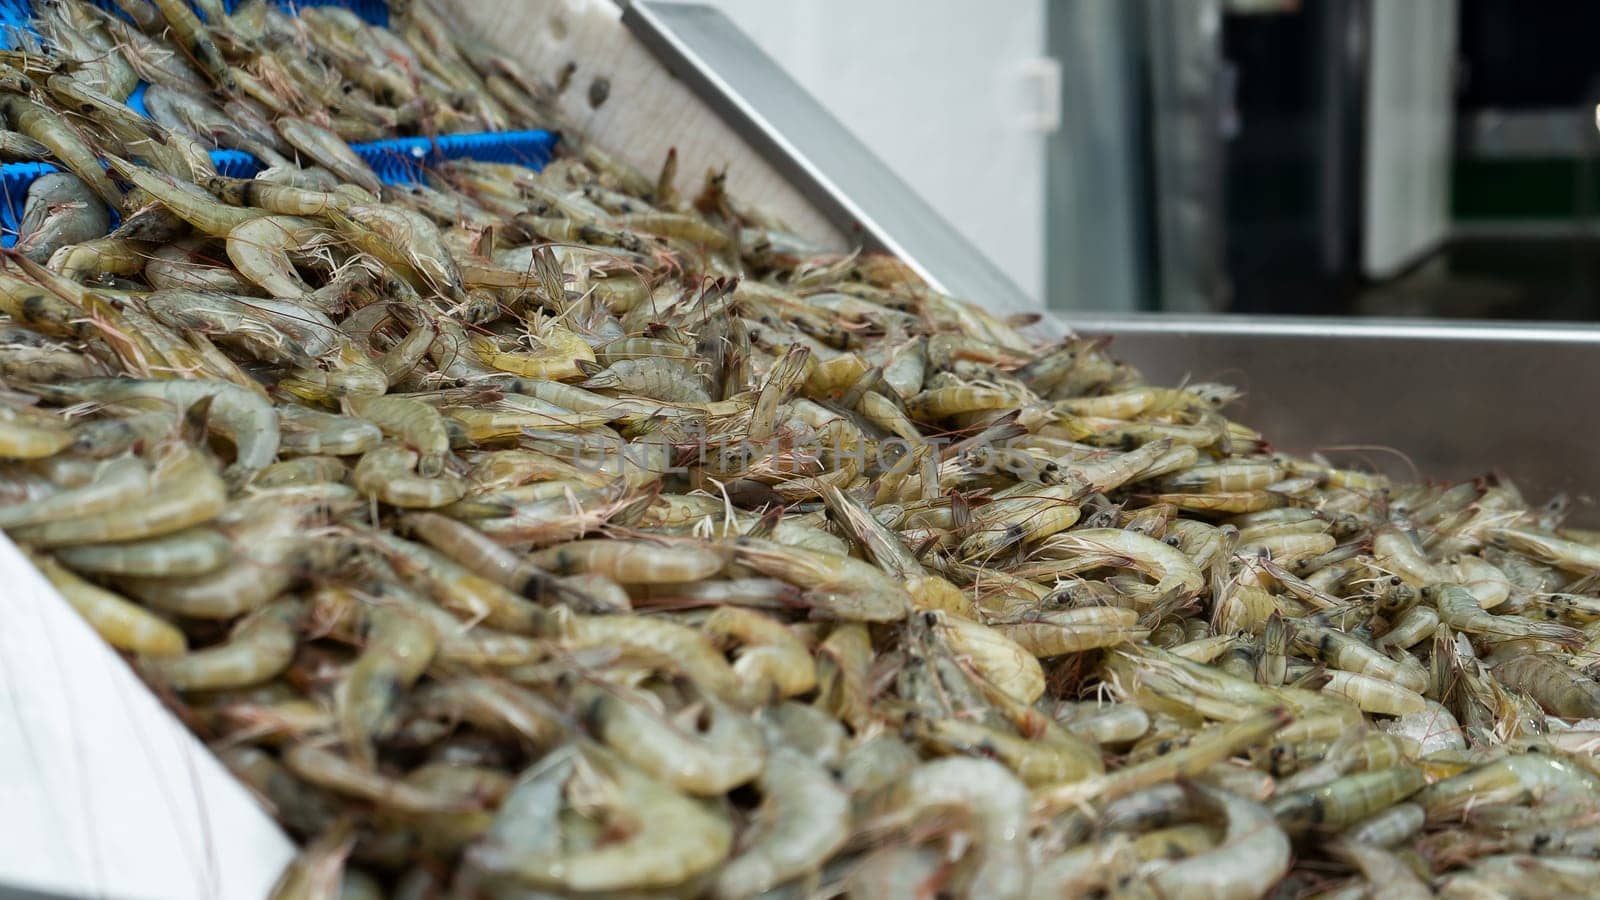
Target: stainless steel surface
(809, 147)
(1456, 400)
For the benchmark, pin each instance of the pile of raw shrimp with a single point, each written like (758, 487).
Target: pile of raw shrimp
(525, 533)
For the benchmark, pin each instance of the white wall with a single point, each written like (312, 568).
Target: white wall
(938, 89)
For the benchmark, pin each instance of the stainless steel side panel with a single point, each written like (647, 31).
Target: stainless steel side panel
(1455, 400)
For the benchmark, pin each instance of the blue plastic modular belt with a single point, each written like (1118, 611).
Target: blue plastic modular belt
(235, 163)
(15, 16)
(375, 12)
(403, 160)
(16, 178)
(400, 161)
(14, 181)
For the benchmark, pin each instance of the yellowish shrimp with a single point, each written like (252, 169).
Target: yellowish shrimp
(399, 648)
(557, 357)
(347, 372)
(1000, 660)
(1222, 501)
(1573, 556)
(781, 380)
(1174, 572)
(65, 141)
(1253, 855)
(303, 470)
(185, 492)
(189, 552)
(29, 434)
(494, 705)
(1062, 631)
(804, 818)
(1209, 748)
(107, 255)
(1524, 779)
(259, 248)
(461, 591)
(122, 623)
(1459, 609)
(260, 648)
(675, 839)
(706, 761)
(656, 643)
(1062, 757)
(1350, 654)
(1117, 723)
(772, 661)
(405, 240)
(1122, 405)
(327, 769)
(324, 147)
(1554, 685)
(928, 591)
(634, 562)
(1482, 578)
(43, 310)
(1287, 549)
(1009, 521)
(991, 803)
(1348, 800)
(1374, 695)
(196, 42)
(413, 422)
(388, 472)
(843, 660)
(1388, 827)
(1394, 551)
(280, 199)
(657, 377)
(115, 482)
(841, 586)
(955, 399)
(242, 416)
(184, 200)
(1240, 475)
(482, 556)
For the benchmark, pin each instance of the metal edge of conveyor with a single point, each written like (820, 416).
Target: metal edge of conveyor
(1336, 329)
(814, 152)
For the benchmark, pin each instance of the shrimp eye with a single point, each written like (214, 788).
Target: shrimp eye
(1172, 541)
(1394, 580)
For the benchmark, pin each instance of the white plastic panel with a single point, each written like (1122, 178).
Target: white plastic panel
(1410, 97)
(103, 793)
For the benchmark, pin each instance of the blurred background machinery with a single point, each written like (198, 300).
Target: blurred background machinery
(1324, 157)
